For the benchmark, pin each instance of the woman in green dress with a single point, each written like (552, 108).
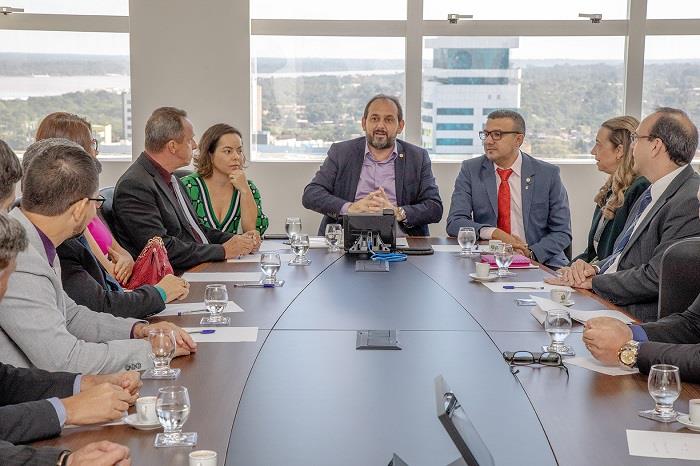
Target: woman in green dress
(221, 194)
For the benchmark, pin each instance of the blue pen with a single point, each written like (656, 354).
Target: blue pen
(513, 287)
(254, 285)
(206, 331)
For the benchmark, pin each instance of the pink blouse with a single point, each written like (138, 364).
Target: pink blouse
(101, 234)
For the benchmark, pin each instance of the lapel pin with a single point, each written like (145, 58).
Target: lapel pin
(401, 156)
(527, 180)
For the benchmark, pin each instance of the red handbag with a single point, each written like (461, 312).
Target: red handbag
(151, 265)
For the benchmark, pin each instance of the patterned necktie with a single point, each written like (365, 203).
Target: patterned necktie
(624, 238)
(503, 221)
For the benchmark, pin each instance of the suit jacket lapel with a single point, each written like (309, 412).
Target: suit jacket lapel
(670, 191)
(355, 169)
(167, 192)
(488, 177)
(527, 187)
(399, 168)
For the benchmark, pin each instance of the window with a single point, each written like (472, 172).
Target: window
(665, 9)
(453, 142)
(74, 7)
(309, 92)
(529, 10)
(564, 87)
(328, 9)
(86, 73)
(454, 127)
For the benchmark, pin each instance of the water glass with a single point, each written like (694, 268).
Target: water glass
(466, 238)
(334, 234)
(664, 385)
(300, 245)
(292, 226)
(270, 264)
(163, 346)
(504, 256)
(173, 409)
(557, 324)
(215, 300)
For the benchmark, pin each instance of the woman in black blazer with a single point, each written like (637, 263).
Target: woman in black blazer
(613, 155)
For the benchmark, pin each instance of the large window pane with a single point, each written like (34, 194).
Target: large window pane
(529, 10)
(672, 9)
(73, 7)
(328, 9)
(565, 87)
(672, 74)
(79, 72)
(311, 91)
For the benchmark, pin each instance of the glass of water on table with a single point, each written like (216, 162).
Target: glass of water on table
(466, 239)
(173, 409)
(216, 300)
(292, 227)
(270, 264)
(334, 233)
(300, 246)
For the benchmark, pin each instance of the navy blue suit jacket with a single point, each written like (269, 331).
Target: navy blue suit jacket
(546, 214)
(336, 181)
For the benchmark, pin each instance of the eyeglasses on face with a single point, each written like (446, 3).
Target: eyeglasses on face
(634, 137)
(496, 135)
(99, 200)
(527, 358)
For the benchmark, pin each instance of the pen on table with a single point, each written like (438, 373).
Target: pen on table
(182, 313)
(513, 287)
(206, 331)
(254, 285)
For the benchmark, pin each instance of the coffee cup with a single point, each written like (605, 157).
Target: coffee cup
(494, 244)
(694, 411)
(482, 269)
(560, 295)
(146, 410)
(203, 458)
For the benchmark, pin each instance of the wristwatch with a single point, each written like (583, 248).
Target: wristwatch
(627, 355)
(402, 215)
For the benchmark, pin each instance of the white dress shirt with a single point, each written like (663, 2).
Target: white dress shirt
(657, 189)
(517, 225)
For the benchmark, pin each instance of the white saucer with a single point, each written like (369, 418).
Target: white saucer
(490, 278)
(685, 420)
(133, 421)
(568, 303)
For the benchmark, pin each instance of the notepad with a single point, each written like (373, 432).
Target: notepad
(224, 334)
(255, 258)
(652, 444)
(544, 305)
(590, 363)
(195, 308)
(272, 246)
(497, 287)
(457, 248)
(215, 277)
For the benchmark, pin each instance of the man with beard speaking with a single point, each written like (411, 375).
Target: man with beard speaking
(376, 172)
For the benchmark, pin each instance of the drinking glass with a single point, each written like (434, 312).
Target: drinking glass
(173, 409)
(163, 346)
(216, 300)
(466, 238)
(270, 264)
(334, 233)
(292, 227)
(557, 324)
(300, 245)
(504, 256)
(664, 385)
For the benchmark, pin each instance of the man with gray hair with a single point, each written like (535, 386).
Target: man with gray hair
(510, 196)
(40, 326)
(150, 201)
(664, 145)
(10, 174)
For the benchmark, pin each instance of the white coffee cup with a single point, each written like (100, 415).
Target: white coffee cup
(146, 410)
(694, 411)
(560, 295)
(494, 244)
(482, 269)
(203, 458)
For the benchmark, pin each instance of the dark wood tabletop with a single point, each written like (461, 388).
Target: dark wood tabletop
(302, 393)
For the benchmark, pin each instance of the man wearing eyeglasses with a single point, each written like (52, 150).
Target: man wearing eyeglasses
(510, 196)
(665, 144)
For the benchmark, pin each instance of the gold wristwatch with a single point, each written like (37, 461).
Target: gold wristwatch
(628, 354)
(402, 214)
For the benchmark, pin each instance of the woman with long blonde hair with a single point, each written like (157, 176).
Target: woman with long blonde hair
(613, 155)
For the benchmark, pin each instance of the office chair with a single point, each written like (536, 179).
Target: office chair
(107, 211)
(16, 203)
(680, 275)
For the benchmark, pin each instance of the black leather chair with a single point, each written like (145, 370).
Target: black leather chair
(107, 211)
(680, 275)
(16, 203)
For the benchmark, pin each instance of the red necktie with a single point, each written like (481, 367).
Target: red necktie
(503, 221)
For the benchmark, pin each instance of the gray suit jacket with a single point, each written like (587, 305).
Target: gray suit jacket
(11, 455)
(546, 214)
(674, 216)
(336, 182)
(675, 339)
(40, 326)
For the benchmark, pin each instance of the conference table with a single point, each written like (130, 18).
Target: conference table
(302, 394)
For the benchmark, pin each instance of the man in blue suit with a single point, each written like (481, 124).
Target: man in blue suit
(377, 172)
(508, 195)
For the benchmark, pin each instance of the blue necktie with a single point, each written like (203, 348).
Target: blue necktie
(110, 283)
(624, 238)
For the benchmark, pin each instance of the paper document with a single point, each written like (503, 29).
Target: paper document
(255, 258)
(519, 287)
(215, 277)
(402, 242)
(224, 334)
(317, 242)
(590, 363)
(195, 308)
(544, 305)
(272, 246)
(457, 248)
(663, 444)
(118, 422)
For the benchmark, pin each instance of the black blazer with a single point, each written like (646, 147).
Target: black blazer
(336, 183)
(613, 228)
(84, 281)
(675, 339)
(144, 207)
(25, 413)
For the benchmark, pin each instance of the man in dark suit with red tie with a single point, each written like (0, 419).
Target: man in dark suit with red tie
(508, 195)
